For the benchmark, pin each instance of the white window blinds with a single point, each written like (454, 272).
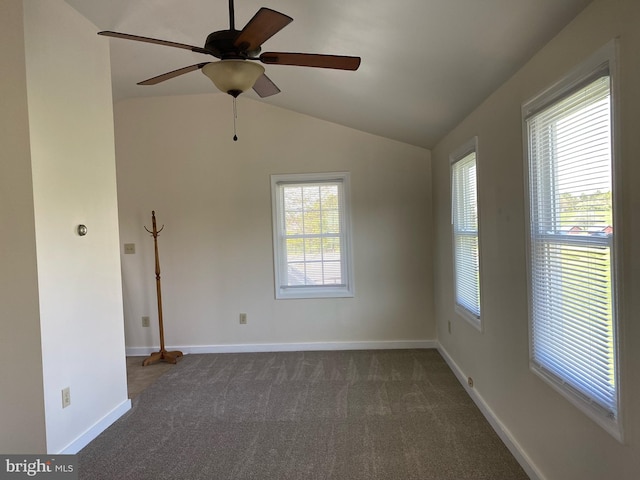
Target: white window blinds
(465, 235)
(573, 328)
(312, 233)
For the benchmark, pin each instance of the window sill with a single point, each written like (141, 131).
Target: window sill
(596, 413)
(313, 292)
(469, 317)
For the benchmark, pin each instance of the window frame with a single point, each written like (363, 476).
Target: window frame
(581, 76)
(283, 291)
(471, 146)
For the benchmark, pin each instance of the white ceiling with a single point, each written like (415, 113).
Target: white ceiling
(426, 64)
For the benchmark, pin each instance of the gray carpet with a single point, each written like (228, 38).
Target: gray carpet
(391, 414)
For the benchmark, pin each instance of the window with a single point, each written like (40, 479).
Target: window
(572, 292)
(312, 251)
(464, 218)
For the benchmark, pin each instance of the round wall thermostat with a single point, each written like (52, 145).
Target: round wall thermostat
(82, 230)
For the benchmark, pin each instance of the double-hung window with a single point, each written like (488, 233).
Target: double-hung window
(464, 220)
(572, 294)
(312, 248)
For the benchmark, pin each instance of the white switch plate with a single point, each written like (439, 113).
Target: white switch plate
(243, 319)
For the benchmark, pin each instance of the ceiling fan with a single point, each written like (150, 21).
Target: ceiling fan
(239, 51)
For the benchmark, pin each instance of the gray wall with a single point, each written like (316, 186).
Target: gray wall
(21, 403)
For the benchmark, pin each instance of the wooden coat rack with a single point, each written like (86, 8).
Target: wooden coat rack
(162, 355)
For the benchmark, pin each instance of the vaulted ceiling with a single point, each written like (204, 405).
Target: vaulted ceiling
(426, 64)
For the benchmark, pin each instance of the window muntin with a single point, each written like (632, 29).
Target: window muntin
(464, 219)
(573, 324)
(311, 235)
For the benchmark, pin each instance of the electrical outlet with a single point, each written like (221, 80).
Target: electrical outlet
(470, 381)
(66, 397)
(243, 319)
(145, 321)
(129, 248)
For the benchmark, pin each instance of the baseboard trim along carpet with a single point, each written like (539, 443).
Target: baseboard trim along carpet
(97, 428)
(504, 434)
(288, 347)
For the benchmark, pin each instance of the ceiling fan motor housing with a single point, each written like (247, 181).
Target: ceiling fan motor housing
(221, 45)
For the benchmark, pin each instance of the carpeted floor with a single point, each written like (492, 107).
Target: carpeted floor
(374, 415)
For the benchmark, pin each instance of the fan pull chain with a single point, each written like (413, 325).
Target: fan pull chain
(235, 116)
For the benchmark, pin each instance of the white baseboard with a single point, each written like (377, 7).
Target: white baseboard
(95, 430)
(287, 347)
(505, 435)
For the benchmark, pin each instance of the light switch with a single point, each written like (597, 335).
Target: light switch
(129, 248)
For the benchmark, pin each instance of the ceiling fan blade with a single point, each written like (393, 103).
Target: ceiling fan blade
(174, 73)
(338, 62)
(265, 87)
(264, 24)
(166, 43)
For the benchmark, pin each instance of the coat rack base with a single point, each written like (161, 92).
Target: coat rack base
(162, 356)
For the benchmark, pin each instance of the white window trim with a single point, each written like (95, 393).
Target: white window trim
(461, 152)
(607, 54)
(344, 291)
